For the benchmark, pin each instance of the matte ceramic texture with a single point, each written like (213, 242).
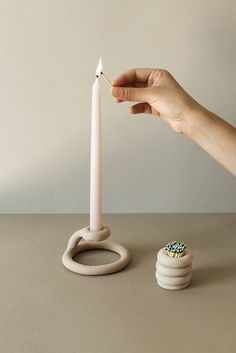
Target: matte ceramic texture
(83, 240)
(174, 273)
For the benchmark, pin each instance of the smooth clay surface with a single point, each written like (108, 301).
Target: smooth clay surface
(174, 273)
(93, 240)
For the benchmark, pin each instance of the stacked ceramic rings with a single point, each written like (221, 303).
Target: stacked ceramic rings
(174, 266)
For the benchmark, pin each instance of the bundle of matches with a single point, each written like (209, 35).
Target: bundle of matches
(175, 249)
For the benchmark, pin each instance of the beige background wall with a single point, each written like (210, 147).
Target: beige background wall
(48, 54)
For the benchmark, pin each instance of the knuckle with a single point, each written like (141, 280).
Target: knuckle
(163, 75)
(164, 72)
(129, 94)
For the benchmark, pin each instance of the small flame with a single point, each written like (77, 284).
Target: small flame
(99, 68)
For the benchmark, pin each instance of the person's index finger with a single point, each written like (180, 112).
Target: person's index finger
(137, 75)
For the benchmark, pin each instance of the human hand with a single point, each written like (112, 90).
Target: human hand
(158, 93)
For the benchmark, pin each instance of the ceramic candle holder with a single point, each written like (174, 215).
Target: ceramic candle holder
(174, 269)
(83, 240)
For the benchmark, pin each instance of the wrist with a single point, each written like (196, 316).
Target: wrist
(196, 120)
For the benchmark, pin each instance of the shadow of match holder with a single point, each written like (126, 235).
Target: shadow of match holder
(83, 240)
(174, 266)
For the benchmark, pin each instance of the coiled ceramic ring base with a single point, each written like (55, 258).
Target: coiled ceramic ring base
(83, 240)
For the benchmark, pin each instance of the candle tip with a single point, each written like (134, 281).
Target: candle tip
(99, 68)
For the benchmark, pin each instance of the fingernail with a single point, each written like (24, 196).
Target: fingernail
(116, 92)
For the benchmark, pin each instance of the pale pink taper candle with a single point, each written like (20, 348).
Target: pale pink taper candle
(96, 155)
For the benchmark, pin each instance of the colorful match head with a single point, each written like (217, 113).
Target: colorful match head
(175, 249)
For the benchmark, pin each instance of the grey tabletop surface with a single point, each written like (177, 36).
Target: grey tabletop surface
(45, 308)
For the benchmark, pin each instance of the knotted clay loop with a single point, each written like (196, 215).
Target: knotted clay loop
(94, 240)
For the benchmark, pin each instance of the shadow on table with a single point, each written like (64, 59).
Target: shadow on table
(207, 275)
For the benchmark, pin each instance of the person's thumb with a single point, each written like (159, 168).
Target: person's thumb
(132, 94)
